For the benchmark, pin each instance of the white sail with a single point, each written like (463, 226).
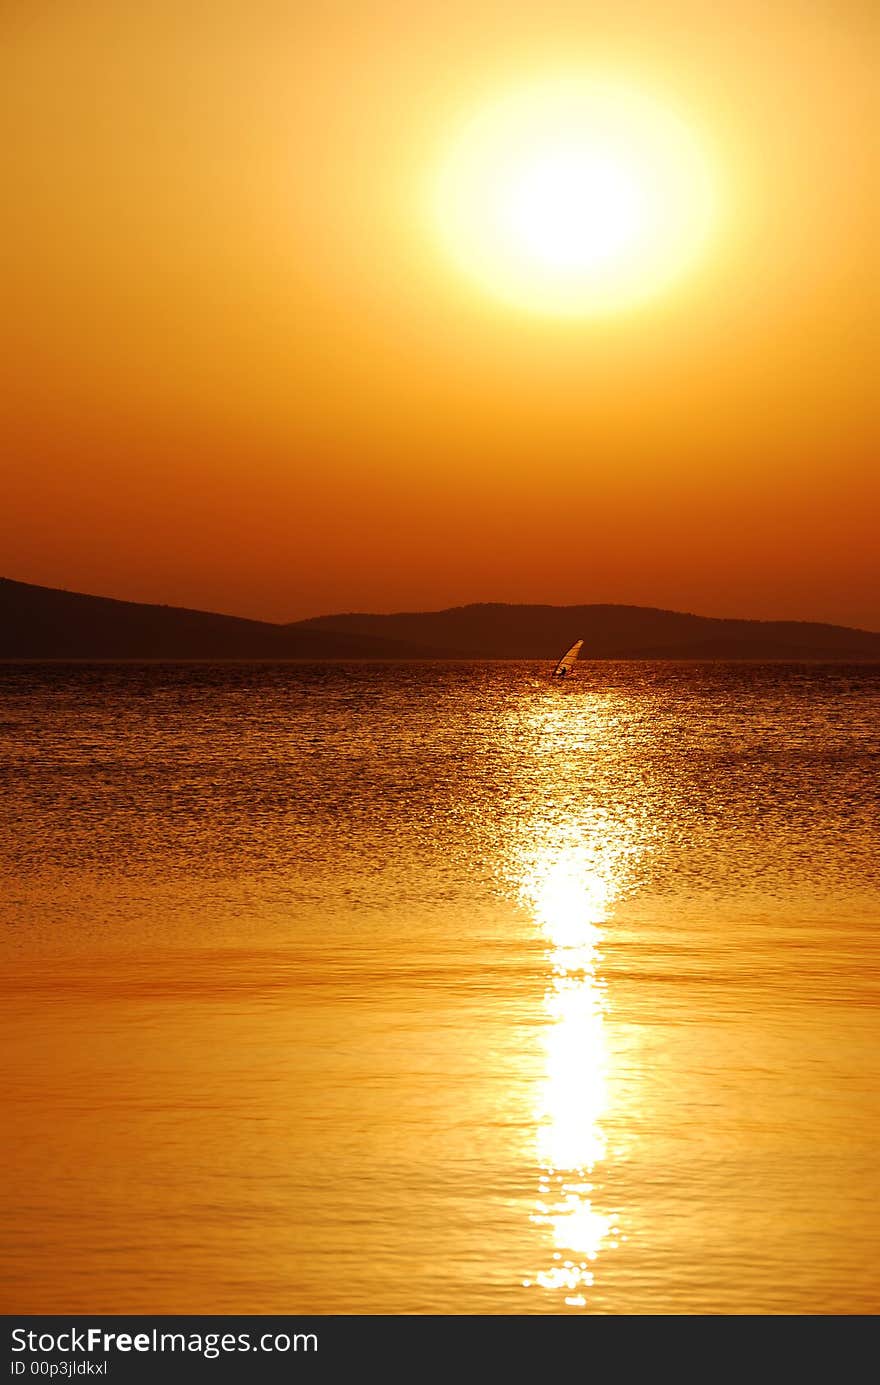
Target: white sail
(567, 662)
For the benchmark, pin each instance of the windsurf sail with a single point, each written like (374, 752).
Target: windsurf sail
(567, 662)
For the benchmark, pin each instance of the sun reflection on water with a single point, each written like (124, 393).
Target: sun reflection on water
(568, 874)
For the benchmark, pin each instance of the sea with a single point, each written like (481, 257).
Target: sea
(440, 988)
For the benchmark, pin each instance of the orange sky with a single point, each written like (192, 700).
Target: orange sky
(244, 377)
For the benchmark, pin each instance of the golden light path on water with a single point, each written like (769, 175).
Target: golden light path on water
(574, 864)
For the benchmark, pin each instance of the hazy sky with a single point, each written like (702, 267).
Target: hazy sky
(245, 376)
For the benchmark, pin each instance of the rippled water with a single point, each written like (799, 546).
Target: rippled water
(440, 988)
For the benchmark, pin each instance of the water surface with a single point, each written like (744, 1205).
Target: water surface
(436, 988)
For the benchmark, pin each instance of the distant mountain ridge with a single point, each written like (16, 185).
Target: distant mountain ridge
(49, 623)
(497, 631)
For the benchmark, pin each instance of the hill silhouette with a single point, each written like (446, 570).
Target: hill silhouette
(47, 623)
(494, 631)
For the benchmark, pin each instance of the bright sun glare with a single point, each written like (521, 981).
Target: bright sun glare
(574, 197)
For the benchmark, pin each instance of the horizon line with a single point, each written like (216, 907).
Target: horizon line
(442, 610)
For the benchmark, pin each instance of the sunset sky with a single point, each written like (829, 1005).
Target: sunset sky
(251, 372)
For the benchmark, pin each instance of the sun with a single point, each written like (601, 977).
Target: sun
(574, 197)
